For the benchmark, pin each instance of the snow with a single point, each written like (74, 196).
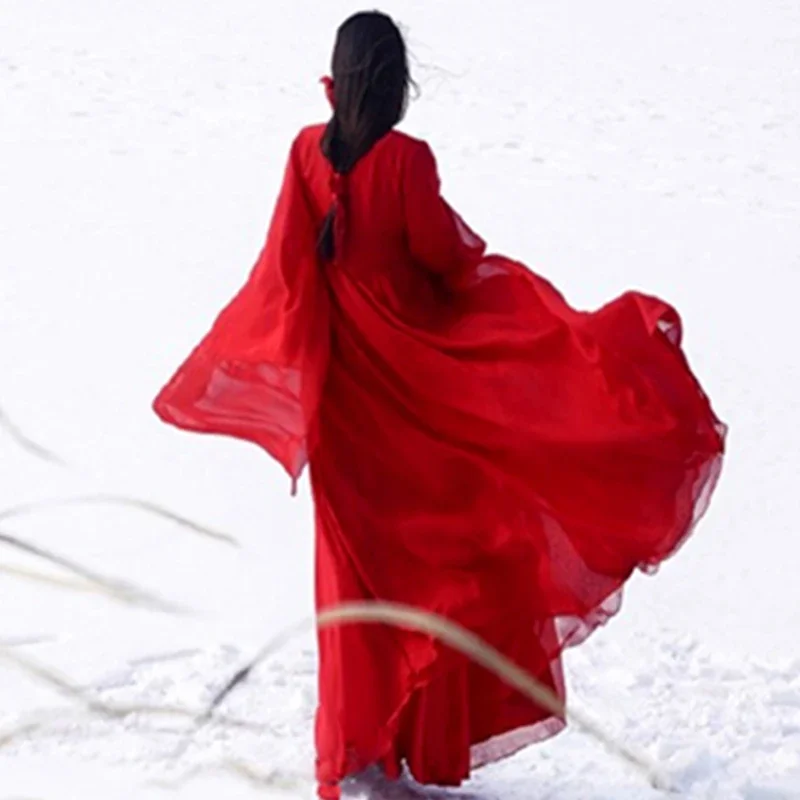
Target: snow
(609, 145)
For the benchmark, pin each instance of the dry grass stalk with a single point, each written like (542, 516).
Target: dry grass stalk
(119, 590)
(50, 580)
(243, 771)
(27, 443)
(468, 644)
(93, 705)
(120, 500)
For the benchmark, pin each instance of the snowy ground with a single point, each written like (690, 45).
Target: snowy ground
(608, 145)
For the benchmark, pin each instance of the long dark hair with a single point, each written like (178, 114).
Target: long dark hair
(371, 80)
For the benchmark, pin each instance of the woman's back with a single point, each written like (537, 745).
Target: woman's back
(370, 198)
(394, 233)
(373, 188)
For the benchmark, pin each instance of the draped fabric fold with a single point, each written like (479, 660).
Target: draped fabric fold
(258, 374)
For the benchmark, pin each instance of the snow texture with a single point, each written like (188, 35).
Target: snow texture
(609, 145)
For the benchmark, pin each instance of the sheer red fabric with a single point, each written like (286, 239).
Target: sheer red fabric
(478, 448)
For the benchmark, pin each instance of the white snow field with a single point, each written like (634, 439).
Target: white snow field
(608, 145)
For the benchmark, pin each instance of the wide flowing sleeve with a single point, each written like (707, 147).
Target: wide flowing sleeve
(258, 374)
(438, 238)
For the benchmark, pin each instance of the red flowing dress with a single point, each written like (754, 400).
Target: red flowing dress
(477, 448)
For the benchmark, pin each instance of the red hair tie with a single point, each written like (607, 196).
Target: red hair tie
(337, 185)
(327, 82)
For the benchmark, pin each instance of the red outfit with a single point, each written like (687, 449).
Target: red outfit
(477, 447)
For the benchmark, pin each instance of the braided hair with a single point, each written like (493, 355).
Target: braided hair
(371, 81)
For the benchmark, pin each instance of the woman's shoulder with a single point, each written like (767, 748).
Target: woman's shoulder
(404, 154)
(406, 145)
(396, 142)
(308, 139)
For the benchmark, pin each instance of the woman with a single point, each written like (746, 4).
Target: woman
(477, 448)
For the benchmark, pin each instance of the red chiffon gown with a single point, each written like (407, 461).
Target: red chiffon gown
(477, 448)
